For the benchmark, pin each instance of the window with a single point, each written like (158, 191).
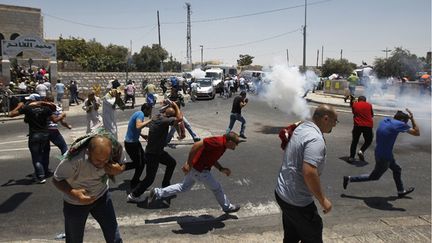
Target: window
(14, 36)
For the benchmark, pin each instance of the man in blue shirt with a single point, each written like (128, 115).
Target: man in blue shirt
(133, 145)
(386, 134)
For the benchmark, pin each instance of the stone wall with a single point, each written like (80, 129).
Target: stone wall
(21, 21)
(88, 81)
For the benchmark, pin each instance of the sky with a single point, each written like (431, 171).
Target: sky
(270, 31)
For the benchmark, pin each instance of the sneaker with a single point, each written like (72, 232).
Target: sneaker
(152, 196)
(196, 139)
(361, 155)
(351, 160)
(242, 136)
(346, 180)
(40, 181)
(132, 199)
(405, 192)
(232, 209)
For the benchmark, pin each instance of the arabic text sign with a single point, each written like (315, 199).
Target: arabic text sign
(13, 47)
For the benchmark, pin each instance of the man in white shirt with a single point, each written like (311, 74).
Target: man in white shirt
(41, 89)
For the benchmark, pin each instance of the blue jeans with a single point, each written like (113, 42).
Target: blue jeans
(59, 97)
(173, 130)
(102, 210)
(39, 147)
(352, 89)
(57, 139)
(381, 166)
(237, 117)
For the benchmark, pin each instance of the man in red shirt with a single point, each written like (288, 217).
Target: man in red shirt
(363, 124)
(202, 156)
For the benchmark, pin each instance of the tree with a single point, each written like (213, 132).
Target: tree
(245, 60)
(339, 66)
(70, 49)
(172, 65)
(149, 58)
(401, 63)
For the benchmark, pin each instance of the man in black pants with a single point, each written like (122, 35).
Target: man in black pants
(133, 145)
(238, 103)
(158, 131)
(363, 124)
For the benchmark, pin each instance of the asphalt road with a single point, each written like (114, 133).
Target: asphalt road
(31, 211)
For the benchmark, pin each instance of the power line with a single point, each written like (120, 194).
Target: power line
(248, 15)
(97, 26)
(253, 42)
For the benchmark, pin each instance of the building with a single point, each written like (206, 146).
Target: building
(18, 21)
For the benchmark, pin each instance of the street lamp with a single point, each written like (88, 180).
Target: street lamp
(386, 51)
(201, 46)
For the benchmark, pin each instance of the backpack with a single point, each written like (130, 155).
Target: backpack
(286, 133)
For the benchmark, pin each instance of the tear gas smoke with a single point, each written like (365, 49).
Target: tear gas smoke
(286, 89)
(198, 73)
(393, 93)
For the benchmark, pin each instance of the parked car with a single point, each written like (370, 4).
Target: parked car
(205, 88)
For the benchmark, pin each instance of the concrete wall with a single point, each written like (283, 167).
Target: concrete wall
(88, 81)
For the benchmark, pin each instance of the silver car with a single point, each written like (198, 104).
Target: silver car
(205, 88)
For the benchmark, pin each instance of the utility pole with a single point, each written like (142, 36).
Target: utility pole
(160, 46)
(322, 56)
(386, 51)
(188, 36)
(201, 46)
(287, 57)
(304, 39)
(317, 57)
(128, 60)
(341, 54)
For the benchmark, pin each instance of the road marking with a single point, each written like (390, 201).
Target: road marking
(16, 141)
(244, 181)
(189, 216)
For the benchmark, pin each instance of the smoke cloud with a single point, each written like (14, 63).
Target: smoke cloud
(286, 90)
(198, 73)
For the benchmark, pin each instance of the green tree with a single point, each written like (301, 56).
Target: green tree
(149, 58)
(172, 65)
(70, 49)
(245, 60)
(401, 63)
(340, 66)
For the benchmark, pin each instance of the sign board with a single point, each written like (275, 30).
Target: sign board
(14, 47)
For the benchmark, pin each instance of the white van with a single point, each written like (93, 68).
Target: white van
(249, 74)
(216, 74)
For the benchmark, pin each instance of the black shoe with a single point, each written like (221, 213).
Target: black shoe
(345, 181)
(242, 136)
(405, 192)
(361, 155)
(232, 209)
(197, 139)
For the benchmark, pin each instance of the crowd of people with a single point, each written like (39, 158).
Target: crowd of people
(97, 156)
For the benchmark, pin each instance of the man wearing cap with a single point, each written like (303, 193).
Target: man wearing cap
(238, 103)
(37, 115)
(386, 134)
(202, 157)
